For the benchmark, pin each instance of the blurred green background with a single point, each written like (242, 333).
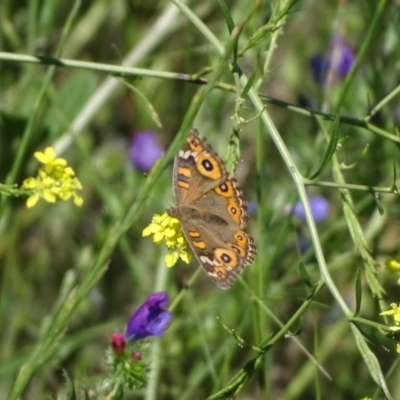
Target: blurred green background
(90, 116)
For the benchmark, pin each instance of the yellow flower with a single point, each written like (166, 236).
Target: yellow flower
(48, 158)
(54, 181)
(164, 227)
(393, 264)
(395, 311)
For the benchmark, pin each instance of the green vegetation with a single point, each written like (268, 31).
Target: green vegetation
(302, 101)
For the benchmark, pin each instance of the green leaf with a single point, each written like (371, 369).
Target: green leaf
(299, 328)
(231, 26)
(261, 35)
(330, 151)
(394, 186)
(70, 392)
(358, 292)
(233, 151)
(227, 15)
(249, 84)
(371, 361)
(148, 106)
(304, 275)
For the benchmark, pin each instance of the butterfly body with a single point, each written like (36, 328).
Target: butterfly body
(212, 210)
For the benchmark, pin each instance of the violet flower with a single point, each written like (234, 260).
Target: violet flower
(319, 208)
(150, 319)
(303, 244)
(252, 207)
(337, 62)
(145, 150)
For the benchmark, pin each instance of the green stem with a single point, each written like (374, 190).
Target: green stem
(365, 188)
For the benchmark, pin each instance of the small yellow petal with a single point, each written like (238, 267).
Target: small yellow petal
(171, 259)
(158, 237)
(32, 200)
(78, 200)
(169, 232)
(157, 218)
(46, 156)
(185, 256)
(392, 265)
(50, 152)
(49, 197)
(29, 183)
(181, 240)
(60, 162)
(147, 231)
(69, 171)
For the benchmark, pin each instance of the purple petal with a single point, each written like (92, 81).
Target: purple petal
(319, 67)
(347, 61)
(150, 319)
(338, 45)
(252, 207)
(159, 299)
(319, 208)
(303, 244)
(145, 150)
(137, 325)
(322, 65)
(158, 322)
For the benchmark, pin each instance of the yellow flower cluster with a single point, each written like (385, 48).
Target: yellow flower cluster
(164, 227)
(395, 312)
(54, 181)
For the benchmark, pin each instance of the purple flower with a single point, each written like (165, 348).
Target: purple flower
(319, 67)
(252, 207)
(319, 208)
(144, 150)
(337, 62)
(303, 244)
(150, 319)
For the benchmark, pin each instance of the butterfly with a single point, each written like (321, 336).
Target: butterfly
(212, 210)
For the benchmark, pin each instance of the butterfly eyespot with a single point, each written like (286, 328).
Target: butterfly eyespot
(220, 272)
(207, 165)
(227, 257)
(240, 237)
(226, 189)
(234, 210)
(223, 187)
